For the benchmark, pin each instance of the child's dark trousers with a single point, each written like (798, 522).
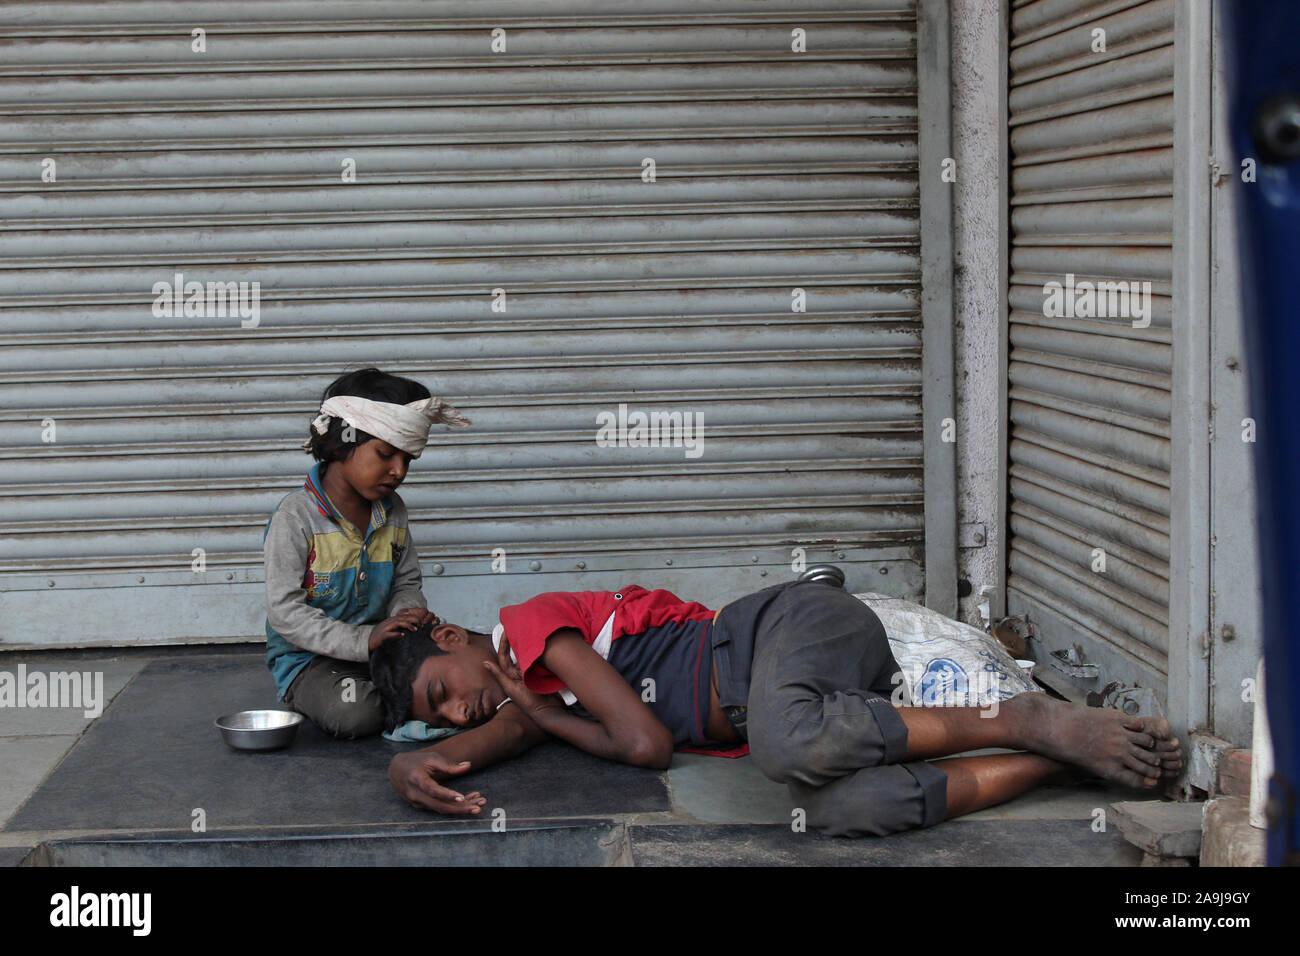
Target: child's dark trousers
(338, 697)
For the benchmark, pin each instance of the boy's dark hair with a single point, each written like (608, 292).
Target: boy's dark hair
(364, 383)
(393, 666)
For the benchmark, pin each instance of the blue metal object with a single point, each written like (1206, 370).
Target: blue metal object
(1264, 86)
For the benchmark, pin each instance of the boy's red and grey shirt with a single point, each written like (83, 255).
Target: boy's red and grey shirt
(635, 611)
(658, 643)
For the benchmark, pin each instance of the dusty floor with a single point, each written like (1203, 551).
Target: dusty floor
(150, 782)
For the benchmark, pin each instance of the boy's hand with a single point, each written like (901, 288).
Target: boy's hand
(412, 777)
(506, 665)
(533, 704)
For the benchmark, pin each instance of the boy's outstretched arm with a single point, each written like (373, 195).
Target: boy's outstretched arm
(625, 729)
(417, 775)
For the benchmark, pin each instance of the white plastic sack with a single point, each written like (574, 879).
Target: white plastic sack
(946, 663)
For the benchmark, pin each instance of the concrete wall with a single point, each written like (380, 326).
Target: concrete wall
(976, 68)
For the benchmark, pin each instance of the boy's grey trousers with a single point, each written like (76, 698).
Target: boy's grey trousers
(820, 720)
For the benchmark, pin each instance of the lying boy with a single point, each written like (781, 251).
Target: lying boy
(801, 670)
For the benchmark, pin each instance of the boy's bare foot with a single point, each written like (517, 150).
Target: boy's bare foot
(1134, 751)
(1170, 752)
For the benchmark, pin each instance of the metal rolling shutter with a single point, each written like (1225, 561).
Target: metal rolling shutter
(475, 171)
(1091, 145)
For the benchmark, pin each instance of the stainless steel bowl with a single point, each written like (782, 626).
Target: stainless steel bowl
(259, 729)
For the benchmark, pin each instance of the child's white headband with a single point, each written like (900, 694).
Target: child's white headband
(402, 426)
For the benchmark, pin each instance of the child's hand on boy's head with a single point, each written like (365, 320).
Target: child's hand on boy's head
(404, 621)
(417, 616)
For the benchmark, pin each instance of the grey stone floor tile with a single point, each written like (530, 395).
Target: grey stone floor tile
(723, 790)
(30, 722)
(26, 761)
(954, 843)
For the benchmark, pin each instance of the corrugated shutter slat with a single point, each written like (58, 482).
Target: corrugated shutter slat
(474, 171)
(1091, 133)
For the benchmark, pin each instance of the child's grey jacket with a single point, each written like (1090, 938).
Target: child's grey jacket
(325, 588)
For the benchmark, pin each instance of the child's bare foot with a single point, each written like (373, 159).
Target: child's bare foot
(1134, 751)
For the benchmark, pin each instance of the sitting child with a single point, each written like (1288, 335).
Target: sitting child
(801, 670)
(342, 574)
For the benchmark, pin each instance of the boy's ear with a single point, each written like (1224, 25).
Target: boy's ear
(447, 636)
